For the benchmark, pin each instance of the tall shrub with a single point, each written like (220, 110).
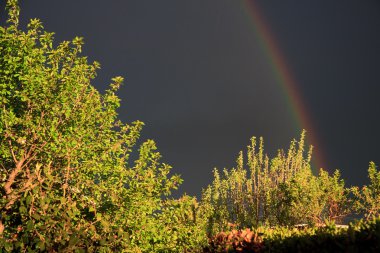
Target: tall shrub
(273, 191)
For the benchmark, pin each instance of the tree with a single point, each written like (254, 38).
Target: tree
(67, 182)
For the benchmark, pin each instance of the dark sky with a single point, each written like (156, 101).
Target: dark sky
(199, 78)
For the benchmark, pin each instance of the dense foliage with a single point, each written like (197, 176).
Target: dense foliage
(362, 236)
(367, 200)
(278, 191)
(68, 182)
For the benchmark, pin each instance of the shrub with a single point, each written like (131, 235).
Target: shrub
(278, 191)
(361, 236)
(368, 197)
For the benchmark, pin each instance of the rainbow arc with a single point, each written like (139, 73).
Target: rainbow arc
(284, 78)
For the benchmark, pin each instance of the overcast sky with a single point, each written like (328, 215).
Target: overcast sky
(199, 78)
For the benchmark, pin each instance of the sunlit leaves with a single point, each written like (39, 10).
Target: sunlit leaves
(278, 191)
(368, 197)
(67, 180)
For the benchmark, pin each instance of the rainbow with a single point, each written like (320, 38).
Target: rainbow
(284, 78)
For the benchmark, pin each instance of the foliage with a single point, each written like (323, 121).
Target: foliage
(312, 199)
(67, 182)
(358, 237)
(236, 241)
(362, 236)
(180, 216)
(277, 191)
(368, 197)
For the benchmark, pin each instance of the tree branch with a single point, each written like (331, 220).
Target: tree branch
(12, 176)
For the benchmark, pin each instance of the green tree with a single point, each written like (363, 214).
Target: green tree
(67, 182)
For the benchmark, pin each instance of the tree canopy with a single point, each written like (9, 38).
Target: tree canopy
(68, 181)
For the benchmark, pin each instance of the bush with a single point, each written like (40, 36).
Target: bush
(358, 237)
(362, 236)
(278, 191)
(367, 199)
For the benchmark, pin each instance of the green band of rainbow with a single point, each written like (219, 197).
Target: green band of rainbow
(284, 78)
